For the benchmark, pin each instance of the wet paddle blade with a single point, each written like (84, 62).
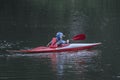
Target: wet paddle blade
(79, 37)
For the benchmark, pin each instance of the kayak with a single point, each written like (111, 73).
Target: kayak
(63, 48)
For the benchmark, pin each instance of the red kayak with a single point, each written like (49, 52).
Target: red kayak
(63, 48)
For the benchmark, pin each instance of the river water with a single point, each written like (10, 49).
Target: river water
(26, 24)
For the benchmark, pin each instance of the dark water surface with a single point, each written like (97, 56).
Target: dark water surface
(26, 24)
(52, 66)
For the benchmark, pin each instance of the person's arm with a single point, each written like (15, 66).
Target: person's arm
(65, 42)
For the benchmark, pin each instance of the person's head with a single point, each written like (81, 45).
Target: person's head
(59, 35)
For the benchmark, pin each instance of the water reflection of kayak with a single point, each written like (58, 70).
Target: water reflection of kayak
(63, 48)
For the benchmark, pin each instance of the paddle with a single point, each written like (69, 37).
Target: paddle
(79, 37)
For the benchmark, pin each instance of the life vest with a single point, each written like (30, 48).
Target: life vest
(53, 43)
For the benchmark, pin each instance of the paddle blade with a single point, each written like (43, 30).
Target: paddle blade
(79, 37)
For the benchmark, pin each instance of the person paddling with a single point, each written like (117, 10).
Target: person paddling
(58, 40)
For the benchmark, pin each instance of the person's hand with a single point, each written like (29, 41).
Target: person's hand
(67, 41)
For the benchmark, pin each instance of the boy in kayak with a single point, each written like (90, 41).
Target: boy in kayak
(58, 40)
